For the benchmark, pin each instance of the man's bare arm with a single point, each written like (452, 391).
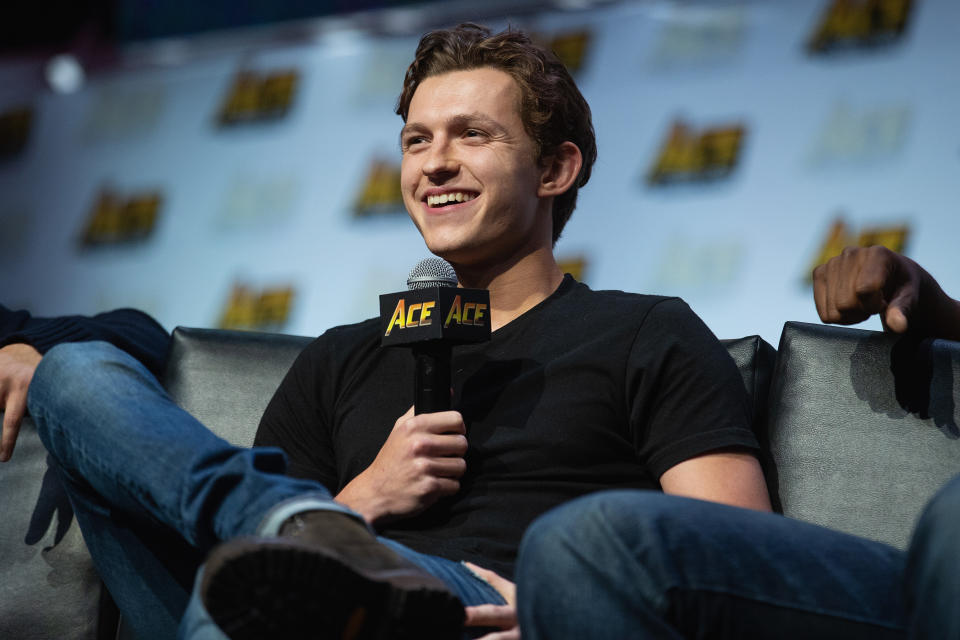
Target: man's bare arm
(733, 478)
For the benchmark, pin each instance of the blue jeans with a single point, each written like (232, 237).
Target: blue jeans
(635, 564)
(154, 490)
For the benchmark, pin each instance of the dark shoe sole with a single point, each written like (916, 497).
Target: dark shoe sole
(274, 589)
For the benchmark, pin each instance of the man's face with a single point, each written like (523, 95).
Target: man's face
(470, 175)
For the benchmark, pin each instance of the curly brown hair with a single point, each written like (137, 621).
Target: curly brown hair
(552, 108)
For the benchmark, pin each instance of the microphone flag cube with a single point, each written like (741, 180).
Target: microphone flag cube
(450, 314)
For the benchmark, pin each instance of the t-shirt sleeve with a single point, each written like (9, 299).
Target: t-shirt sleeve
(297, 421)
(687, 395)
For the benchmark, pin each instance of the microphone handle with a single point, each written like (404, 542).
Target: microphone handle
(432, 377)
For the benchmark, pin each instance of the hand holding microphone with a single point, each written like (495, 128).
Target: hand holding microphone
(423, 458)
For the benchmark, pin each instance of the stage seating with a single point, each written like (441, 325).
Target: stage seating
(859, 429)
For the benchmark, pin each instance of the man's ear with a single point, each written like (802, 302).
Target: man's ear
(560, 170)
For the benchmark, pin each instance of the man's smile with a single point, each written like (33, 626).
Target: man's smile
(442, 199)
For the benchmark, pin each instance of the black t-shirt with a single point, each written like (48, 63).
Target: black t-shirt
(589, 390)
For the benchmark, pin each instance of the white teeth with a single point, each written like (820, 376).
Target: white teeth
(444, 198)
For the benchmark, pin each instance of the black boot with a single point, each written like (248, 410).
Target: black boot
(324, 576)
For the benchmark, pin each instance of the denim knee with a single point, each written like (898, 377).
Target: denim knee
(592, 567)
(933, 548)
(595, 530)
(76, 378)
(618, 512)
(941, 516)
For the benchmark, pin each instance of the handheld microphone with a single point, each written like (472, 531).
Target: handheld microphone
(432, 316)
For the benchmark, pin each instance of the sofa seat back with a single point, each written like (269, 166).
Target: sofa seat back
(863, 427)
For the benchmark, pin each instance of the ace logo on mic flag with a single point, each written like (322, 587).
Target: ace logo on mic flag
(435, 313)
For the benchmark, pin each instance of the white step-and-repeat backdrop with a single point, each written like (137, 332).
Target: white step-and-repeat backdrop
(256, 187)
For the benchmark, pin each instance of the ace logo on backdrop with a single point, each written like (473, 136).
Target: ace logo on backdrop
(840, 235)
(697, 156)
(860, 24)
(258, 97)
(854, 135)
(571, 47)
(121, 218)
(258, 201)
(697, 36)
(576, 266)
(119, 113)
(14, 131)
(263, 310)
(380, 192)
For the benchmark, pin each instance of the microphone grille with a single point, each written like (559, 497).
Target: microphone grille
(432, 272)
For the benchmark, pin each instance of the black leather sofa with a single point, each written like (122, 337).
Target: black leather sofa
(859, 429)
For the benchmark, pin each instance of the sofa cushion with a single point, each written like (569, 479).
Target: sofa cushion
(863, 427)
(226, 378)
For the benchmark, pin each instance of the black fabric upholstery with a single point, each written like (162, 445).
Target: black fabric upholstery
(863, 427)
(226, 378)
(755, 360)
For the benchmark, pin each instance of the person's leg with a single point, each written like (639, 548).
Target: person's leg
(932, 577)
(147, 567)
(468, 588)
(641, 564)
(152, 488)
(465, 584)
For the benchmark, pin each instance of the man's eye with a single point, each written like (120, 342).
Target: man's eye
(413, 141)
(472, 133)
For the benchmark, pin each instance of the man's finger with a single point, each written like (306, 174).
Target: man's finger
(820, 291)
(440, 422)
(877, 272)
(491, 615)
(14, 411)
(832, 269)
(897, 316)
(509, 634)
(446, 467)
(844, 276)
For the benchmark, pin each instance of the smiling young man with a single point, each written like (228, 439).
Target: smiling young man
(577, 391)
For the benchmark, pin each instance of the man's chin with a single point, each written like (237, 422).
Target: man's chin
(452, 252)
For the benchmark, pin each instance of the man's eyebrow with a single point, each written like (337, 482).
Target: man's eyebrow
(459, 120)
(467, 119)
(409, 127)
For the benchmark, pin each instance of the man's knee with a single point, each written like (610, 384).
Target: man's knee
(72, 376)
(941, 516)
(610, 547)
(594, 526)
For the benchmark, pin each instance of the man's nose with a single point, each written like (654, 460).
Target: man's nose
(441, 161)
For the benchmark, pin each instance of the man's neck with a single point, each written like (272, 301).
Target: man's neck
(515, 288)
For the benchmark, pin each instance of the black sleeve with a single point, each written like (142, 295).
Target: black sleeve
(129, 329)
(689, 398)
(296, 419)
